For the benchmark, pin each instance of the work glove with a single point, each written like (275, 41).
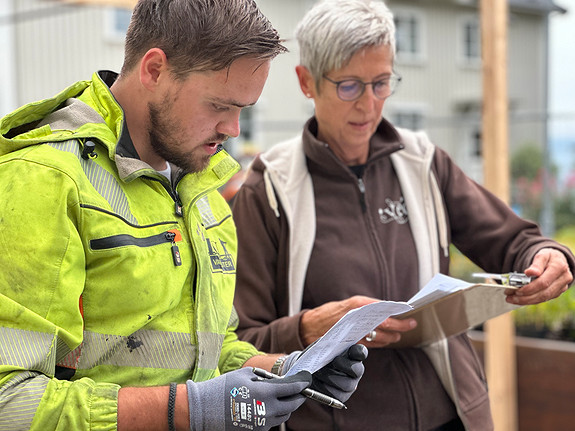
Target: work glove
(241, 400)
(339, 378)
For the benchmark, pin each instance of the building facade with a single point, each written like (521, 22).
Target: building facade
(50, 44)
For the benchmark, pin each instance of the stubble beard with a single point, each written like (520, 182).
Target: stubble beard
(163, 135)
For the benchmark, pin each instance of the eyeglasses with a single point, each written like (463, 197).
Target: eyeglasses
(352, 89)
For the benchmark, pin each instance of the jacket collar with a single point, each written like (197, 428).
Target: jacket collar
(384, 142)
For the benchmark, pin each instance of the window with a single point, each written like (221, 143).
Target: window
(247, 123)
(407, 119)
(470, 41)
(409, 35)
(116, 22)
(477, 143)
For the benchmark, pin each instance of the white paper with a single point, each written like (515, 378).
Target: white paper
(348, 330)
(439, 286)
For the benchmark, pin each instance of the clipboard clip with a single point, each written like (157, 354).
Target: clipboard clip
(514, 279)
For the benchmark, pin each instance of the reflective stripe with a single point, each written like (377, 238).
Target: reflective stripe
(144, 348)
(211, 347)
(234, 318)
(19, 400)
(104, 182)
(28, 349)
(208, 219)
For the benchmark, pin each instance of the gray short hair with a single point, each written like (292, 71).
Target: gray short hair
(332, 31)
(200, 35)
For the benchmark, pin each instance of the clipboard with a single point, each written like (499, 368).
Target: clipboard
(454, 313)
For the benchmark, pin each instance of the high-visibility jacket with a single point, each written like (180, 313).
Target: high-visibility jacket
(110, 275)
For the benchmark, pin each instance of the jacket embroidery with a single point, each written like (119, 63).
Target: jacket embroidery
(395, 211)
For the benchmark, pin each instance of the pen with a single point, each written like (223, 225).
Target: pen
(514, 279)
(309, 393)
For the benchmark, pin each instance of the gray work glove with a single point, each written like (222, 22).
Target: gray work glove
(241, 400)
(339, 378)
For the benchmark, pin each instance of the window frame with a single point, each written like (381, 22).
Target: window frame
(463, 24)
(417, 52)
(112, 32)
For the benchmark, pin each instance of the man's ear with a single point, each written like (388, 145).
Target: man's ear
(306, 81)
(153, 66)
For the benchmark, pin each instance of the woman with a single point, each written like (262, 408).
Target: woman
(354, 211)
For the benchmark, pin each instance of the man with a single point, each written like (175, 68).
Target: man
(118, 253)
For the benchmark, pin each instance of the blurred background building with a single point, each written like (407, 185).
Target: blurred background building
(49, 44)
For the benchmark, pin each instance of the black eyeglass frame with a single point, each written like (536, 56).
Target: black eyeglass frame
(393, 78)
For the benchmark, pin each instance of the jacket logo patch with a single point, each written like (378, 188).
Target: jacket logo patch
(220, 258)
(395, 211)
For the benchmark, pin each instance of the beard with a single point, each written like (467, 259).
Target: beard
(164, 135)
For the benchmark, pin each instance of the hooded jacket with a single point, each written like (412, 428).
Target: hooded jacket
(111, 274)
(328, 235)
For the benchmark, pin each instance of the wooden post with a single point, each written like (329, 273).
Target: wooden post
(500, 356)
(128, 4)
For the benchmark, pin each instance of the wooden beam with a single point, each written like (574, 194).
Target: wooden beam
(128, 4)
(500, 357)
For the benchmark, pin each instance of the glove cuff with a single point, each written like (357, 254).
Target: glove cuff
(286, 362)
(203, 402)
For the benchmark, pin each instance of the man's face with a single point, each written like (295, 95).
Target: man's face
(199, 113)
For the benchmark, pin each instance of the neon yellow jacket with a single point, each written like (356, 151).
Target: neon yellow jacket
(104, 282)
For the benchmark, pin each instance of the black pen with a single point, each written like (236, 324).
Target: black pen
(309, 393)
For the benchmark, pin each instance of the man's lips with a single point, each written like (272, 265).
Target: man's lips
(212, 147)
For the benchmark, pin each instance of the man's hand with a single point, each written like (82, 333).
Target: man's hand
(240, 399)
(339, 378)
(553, 277)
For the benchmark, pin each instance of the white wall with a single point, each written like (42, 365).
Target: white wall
(8, 82)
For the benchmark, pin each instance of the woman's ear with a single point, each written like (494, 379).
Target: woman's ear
(306, 81)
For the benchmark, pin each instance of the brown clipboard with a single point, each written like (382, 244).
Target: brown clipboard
(454, 314)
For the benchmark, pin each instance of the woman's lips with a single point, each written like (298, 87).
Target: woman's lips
(360, 126)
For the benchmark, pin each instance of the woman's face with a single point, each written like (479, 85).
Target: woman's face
(347, 126)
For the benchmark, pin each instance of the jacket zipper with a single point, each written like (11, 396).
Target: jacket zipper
(178, 207)
(361, 186)
(374, 239)
(172, 236)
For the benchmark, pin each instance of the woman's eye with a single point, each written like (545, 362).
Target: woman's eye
(381, 84)
(349, 86)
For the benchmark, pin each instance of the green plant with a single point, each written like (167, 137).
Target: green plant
(558, 315)
(460, 266)
(556, 318)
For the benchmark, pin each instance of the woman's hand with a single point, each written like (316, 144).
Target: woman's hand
(553, 277)
(315, 322)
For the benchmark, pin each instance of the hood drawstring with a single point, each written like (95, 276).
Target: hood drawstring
(271, 194)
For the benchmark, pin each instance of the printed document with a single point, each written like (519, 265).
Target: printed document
(444, 307)
(348, 330)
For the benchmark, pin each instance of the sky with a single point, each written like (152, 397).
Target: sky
(562, 90)
(562, 70)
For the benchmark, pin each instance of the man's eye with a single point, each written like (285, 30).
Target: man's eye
(219, 108)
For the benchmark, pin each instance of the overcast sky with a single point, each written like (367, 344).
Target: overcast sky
(562, 72)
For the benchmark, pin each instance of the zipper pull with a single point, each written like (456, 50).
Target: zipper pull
(173, 236)
(361, 186)
(178, 205)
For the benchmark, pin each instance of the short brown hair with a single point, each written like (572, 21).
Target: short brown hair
(200, 35)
